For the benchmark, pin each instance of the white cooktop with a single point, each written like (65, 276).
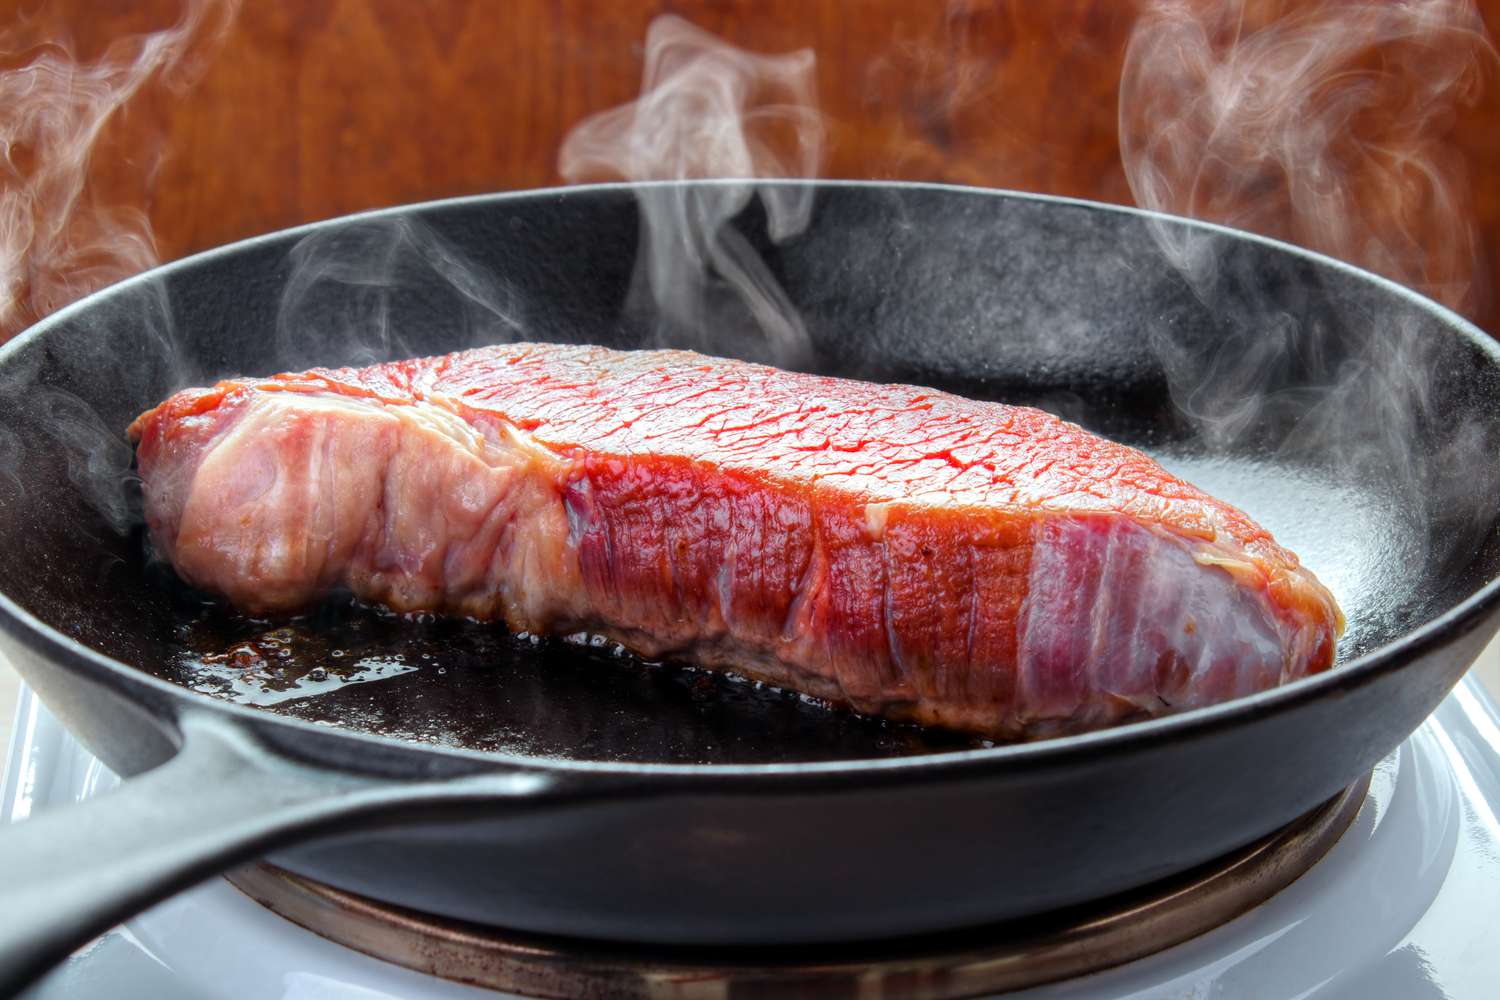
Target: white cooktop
(1405, 907)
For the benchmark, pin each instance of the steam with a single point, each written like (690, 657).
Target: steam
(1322, 123)
(357, 293)
(60, 241)
(709, 110)
(56, 243)
(98, 456)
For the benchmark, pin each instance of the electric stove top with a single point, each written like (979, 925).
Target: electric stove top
(1405, 906)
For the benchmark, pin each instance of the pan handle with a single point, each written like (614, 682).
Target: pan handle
(71, 874)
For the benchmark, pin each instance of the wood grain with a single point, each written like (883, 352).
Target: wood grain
(314, 108)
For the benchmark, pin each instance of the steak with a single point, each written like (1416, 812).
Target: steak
(894, 549)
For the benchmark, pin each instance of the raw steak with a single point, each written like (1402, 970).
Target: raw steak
(895, 549)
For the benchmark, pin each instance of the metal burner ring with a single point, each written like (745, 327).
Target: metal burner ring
(961, 964)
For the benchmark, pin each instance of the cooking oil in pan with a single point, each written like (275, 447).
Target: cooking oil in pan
(477, 686)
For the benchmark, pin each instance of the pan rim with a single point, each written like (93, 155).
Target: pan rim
(1463, 617)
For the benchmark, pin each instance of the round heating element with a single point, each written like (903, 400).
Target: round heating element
(961, 964)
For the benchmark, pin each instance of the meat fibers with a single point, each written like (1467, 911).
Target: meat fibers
(897, 550)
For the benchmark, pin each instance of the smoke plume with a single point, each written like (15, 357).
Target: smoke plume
(57, 242)
(1323, 123)
(709, 110)
(356, 293)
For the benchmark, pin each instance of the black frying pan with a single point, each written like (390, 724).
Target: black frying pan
(555, 788)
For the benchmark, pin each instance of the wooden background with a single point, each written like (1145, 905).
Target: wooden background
(313, 108)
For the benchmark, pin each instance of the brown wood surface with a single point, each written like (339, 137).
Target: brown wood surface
(313, 108)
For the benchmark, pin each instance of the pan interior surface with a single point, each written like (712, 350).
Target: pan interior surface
(1024, 300)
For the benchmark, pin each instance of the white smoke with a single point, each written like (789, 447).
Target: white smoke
(709, 110)
(1325, 123)
(56, 242)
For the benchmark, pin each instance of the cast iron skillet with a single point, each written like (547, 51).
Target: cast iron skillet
(556, 789)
